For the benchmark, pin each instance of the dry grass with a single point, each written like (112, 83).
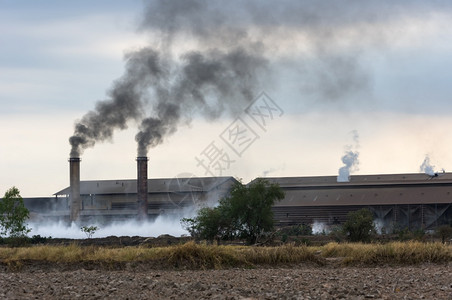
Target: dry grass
(286, 254)
(391, 253)
(191, 255)
(199, 256)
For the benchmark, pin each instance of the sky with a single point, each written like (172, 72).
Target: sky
(243, 88)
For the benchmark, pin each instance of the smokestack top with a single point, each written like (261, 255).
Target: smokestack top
(142, 186)
(74, 178)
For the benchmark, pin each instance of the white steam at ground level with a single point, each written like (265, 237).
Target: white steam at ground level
(380, 226)
(322, 228)
(319, 228)
(161, 225)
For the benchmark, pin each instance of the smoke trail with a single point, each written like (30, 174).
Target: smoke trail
(216, 29)
(350, 160)
(213, 56)
(153, 130)
(210, 83)
(143, 69)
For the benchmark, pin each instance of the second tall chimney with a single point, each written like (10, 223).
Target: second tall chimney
(142, 187)
(74, 179)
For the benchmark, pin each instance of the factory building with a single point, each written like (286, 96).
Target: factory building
(109, 200)
(411, 201)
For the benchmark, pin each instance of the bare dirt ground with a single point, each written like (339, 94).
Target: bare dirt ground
(296, 282)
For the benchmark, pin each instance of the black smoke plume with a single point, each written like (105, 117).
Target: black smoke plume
(125, 101)
(210, 56)
(210, 83)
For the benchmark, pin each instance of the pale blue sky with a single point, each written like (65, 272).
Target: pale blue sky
(379, 68)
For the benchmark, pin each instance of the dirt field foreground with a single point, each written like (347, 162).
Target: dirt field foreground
(432, 281)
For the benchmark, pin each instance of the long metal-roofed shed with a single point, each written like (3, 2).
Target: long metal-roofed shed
(118, 198)
(410, 201)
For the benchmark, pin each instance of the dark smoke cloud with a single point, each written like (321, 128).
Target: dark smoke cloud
(335, 77)
(211, 83)
(329, 26)
(153, 130)
(208, 19)
(144, 68)
(213, 56)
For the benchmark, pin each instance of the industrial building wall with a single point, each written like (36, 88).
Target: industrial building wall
(44, 204)
(389, 217)
(358, 195)
(399, 200)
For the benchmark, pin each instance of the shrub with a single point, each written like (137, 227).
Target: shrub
(402, 233)
(444, 232)
(208, 225)
(359, 225)
(89, 230)
(337, 233)
(38, 239)
(418, 234)
(301, 229)
(284, 238)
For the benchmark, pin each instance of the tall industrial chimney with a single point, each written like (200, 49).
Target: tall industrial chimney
(142, 187)
(74, 178)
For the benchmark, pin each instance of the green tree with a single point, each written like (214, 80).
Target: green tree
(13, 214)
(359, 225)
(246, 213)
(248, 208)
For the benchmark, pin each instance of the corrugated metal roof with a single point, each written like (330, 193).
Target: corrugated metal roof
(155, 185)
(379, 189)
(383, 189)
(357, 180)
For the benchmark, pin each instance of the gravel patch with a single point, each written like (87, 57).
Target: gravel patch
(301, 282)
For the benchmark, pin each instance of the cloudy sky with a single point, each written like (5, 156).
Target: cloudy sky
(188, 77)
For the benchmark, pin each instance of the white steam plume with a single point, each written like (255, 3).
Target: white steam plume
(161, 225)
(319, 228)
(427, 168)
(164, 224)
(350, 159)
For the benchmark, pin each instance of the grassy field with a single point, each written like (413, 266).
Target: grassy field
(201, 256)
